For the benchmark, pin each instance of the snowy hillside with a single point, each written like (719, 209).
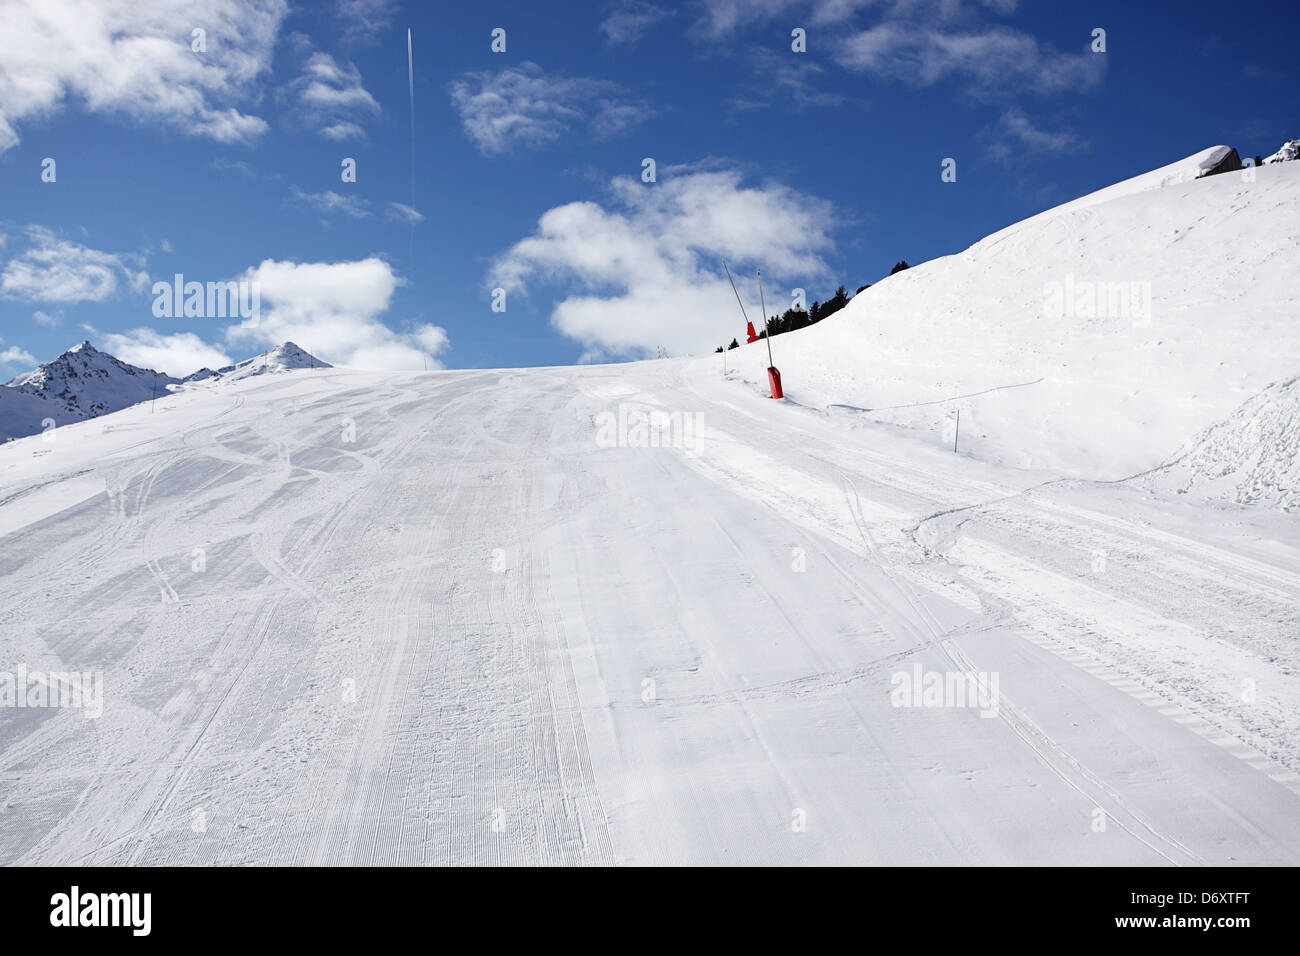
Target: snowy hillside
(81, 383)
(1093, 340)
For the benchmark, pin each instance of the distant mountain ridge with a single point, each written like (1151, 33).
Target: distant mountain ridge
(81, 383)
(86, 379)
(85, 383)
(282, 358)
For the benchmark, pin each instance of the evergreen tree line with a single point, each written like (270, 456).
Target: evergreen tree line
(797, 318)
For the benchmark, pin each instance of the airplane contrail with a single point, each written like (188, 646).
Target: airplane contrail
(410, 82)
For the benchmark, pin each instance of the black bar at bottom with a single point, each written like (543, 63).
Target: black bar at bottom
(932, 908)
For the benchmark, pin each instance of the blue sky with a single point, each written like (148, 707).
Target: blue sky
(823, 167)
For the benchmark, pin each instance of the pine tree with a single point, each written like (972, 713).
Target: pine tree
(836, 302)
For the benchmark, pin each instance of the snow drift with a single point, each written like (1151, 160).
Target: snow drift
(1251, 456)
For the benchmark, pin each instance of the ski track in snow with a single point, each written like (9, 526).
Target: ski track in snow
(472, 636)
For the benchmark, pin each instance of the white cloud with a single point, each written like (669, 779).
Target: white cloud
(630, 20)
(1014, 131)
(786, 80)
(56, 270)
(431, 338)
(648, 272)
(331, 202)
(921, 42)
(13, 355)
(334, 309)
(364, 20)
(47, 320)
(330, 98)
(404, 213)
(341, 130)
(726, 16)
(525, 107)
(133, 58)
(178, 354)
(237, 165)
(989, 60)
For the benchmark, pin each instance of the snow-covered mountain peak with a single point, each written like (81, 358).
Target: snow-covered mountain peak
(81, 383)
(283, 358)
(84, 365)
(289, 355)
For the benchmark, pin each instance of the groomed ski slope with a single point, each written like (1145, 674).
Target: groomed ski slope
(474, 635)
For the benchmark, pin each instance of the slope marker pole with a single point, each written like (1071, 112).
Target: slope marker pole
(733, 289)
(773, 373)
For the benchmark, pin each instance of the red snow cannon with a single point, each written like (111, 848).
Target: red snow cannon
(774, 378)
(753, 337)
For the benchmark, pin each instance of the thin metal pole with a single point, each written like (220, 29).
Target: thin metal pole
(956, 432)
(733, 289)
(767, 332)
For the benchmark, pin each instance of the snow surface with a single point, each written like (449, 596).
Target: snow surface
(448, 617)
